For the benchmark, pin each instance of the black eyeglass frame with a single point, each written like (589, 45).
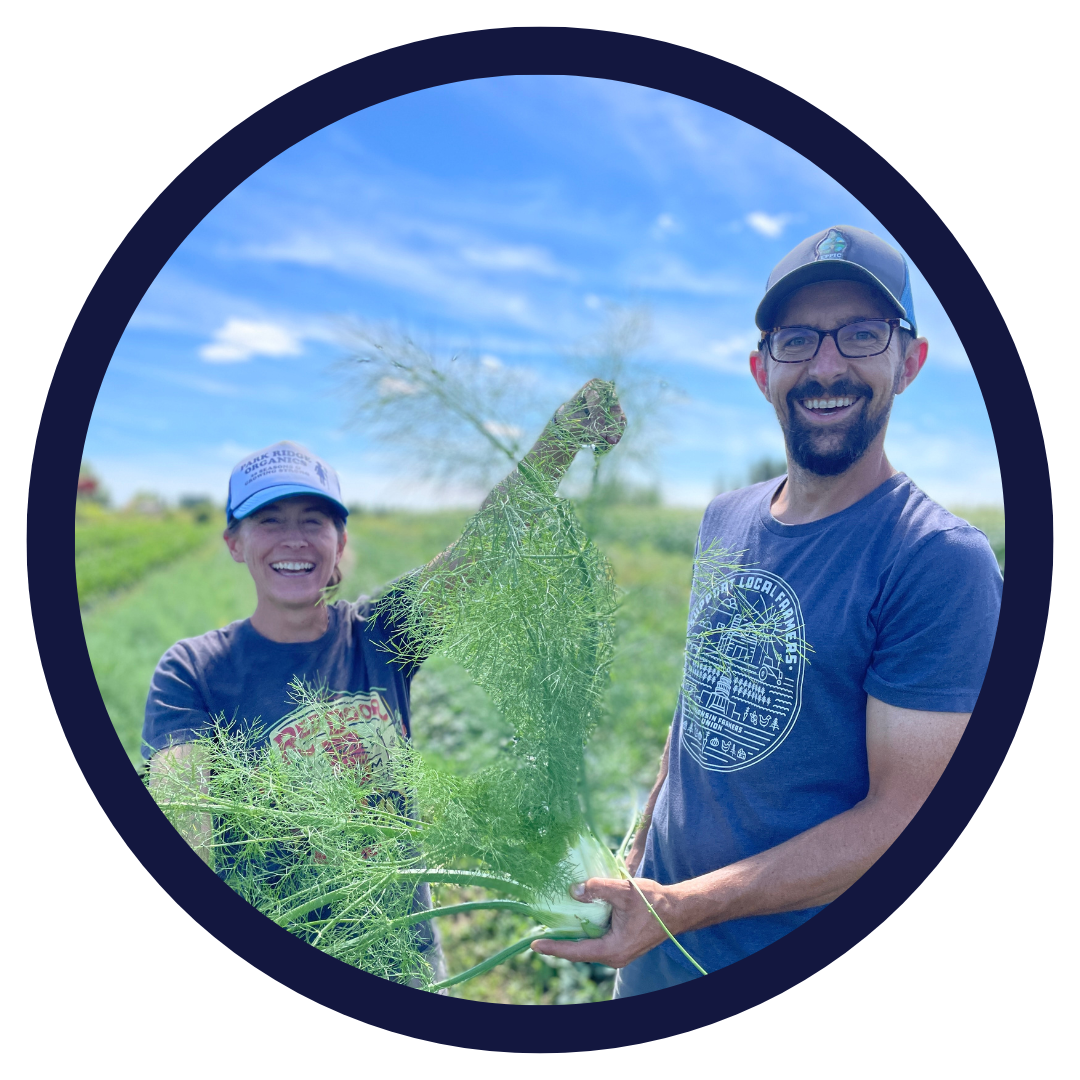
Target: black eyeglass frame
(894, 325)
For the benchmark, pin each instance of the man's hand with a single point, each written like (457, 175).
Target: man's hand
(634, 929)
(907, 751)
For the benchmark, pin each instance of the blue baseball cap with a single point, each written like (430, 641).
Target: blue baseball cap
(841, 252)
(279, 471)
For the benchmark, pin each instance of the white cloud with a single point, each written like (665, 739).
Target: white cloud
(241, 339)
(389, 385)
(492, 363)
(769, 225)
(526, 258)
(664, 226)
(502, 431)
(671, 274)
(732, 353)
(689, 341)
(458, 277)
(233, 452)
(180, 378)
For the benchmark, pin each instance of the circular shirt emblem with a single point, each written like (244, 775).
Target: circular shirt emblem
(745, 658)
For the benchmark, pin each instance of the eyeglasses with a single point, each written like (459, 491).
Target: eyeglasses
(855, 341)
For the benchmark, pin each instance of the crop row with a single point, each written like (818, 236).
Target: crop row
(116, 550)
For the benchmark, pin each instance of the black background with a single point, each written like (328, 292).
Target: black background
(123, 122)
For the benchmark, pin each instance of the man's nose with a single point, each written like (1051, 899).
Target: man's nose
(829, 363)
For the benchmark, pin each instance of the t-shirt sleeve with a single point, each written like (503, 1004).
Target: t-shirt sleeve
(390, 614)
(936, 624)
(175, 709)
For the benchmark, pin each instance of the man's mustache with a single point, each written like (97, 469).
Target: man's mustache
(813, 389)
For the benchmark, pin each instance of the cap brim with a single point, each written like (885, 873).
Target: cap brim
(823, 270)
(282, 491)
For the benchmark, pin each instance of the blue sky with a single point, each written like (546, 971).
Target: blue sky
(502, 217)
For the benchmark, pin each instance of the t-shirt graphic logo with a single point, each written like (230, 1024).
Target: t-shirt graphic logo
(349, 730)
(745, 659)
(833, 246)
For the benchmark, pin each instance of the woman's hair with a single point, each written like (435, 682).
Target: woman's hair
(232, 527)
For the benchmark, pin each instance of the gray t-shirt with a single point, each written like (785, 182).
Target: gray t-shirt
(893, 597)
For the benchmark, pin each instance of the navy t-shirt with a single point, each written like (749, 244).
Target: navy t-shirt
(237, 672)
(893, 597)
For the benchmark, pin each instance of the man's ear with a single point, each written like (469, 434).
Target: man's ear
(912, 364)
(759, 368)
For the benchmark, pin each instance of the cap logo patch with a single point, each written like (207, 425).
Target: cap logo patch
(834, 246)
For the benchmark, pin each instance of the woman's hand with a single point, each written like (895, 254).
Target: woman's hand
(592, 417)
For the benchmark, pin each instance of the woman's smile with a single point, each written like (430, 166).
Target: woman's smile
(292, 569)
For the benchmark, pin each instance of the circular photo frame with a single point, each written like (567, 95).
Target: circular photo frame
(599, 55)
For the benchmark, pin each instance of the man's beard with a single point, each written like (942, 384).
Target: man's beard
(825, 451)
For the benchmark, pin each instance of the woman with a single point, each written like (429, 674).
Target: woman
(286, 523)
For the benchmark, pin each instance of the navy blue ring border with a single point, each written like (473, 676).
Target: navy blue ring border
(485, 54)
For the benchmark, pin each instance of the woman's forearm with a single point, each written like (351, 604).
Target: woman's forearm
(592, 417)
(174, 773)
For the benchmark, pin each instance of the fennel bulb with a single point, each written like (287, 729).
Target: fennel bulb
(587, 858)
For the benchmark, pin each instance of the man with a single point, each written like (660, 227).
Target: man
(796, 757)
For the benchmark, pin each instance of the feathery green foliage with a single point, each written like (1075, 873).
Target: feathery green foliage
(525, 604)
(533, 626)
(334, 850)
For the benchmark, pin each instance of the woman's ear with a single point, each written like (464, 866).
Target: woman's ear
(232, 542)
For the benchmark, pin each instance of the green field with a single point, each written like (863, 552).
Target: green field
(991, 520)
(114, 550)
(651, 549)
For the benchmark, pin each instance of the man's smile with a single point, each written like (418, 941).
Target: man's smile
(828, 408)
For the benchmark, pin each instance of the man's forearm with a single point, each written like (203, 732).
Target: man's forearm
(808, 870)
(637, 850)
(907, 750)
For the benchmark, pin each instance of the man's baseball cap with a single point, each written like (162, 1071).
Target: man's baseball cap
(279, 471)
(841, 252)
